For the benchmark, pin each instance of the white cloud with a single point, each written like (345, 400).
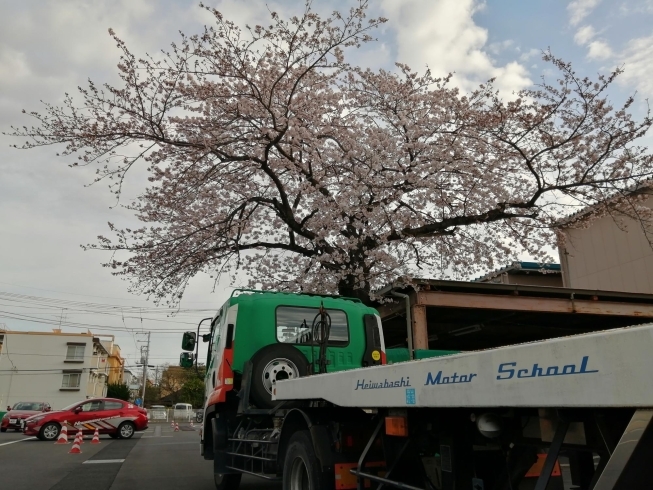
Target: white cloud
(530, 54)
(633, 7)
(584, 35)
(637, 59)
(497, 48)
(599, 50)
(443, 36)
(579, 9)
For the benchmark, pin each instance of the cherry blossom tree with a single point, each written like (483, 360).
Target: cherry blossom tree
(271, 155)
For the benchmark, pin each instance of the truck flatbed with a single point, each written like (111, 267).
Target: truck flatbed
(602, 369)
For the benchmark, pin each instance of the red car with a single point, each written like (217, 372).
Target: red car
(20, 411)
(117, 418)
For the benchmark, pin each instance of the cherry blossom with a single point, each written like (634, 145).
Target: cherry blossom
(269, 155)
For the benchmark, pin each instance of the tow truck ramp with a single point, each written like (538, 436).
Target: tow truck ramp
(581, 374)
(611, 368)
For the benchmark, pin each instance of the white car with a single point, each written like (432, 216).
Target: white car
(182, 411)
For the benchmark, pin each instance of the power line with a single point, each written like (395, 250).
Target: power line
(64, 358)
(55, 312)
(85, 306)
(87, 295)
(84, 326)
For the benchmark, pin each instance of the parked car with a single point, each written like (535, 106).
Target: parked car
(19, 412)
(117, 418)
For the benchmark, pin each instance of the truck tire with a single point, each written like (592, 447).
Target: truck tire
(271, 364)
(230, 481)
(301, 468)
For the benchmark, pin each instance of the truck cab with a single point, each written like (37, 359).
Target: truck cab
(285, 336)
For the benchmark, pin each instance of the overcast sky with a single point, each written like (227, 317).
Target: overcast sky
(48, 47)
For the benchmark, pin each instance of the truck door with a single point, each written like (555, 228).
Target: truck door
(219, 373)
(373, 355)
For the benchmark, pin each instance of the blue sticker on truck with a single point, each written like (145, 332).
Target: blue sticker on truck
(411, 399)
(508, 370)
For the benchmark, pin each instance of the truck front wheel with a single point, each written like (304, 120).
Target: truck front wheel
(227, 482)
(301, 468)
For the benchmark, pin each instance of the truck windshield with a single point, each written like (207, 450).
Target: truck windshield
(294, 325)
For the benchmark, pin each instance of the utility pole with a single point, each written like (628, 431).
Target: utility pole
(145, 357)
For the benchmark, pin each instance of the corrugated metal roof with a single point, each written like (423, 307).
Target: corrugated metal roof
(519, 266)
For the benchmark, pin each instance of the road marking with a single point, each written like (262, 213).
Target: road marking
(20, 440)
(101, 461)
(153, 437)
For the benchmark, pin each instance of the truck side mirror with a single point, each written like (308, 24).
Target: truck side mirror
(188, 341)
(186, 359)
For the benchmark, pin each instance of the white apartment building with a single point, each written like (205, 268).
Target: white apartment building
(130, 379)
(54, 367)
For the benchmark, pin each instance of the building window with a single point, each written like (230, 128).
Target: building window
(75, 352)
(71, 380)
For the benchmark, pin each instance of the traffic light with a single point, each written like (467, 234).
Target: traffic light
(186, 359)
(188, 341)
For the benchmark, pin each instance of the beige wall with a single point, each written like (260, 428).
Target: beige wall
(605, 257)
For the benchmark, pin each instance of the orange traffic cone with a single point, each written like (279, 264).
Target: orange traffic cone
(172, 424)
(63, 434)
(176, 427)
(191, 424)
(76, 449)
(96, 437)
(80, 436)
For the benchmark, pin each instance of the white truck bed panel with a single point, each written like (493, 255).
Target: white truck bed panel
(604, 369)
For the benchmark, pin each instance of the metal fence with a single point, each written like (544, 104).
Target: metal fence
(157, 414)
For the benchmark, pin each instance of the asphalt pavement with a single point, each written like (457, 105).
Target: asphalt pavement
(157, 459)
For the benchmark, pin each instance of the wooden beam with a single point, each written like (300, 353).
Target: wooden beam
(527, 303)
(420, 332)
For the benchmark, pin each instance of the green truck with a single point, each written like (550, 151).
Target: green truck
(281, 335)
(301, 389)
(258, 338)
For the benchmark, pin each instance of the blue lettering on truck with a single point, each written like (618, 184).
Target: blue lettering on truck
(361, 384)
(508, 370)
(454, 378)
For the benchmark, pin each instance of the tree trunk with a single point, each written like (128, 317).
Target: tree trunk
(347, 288)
